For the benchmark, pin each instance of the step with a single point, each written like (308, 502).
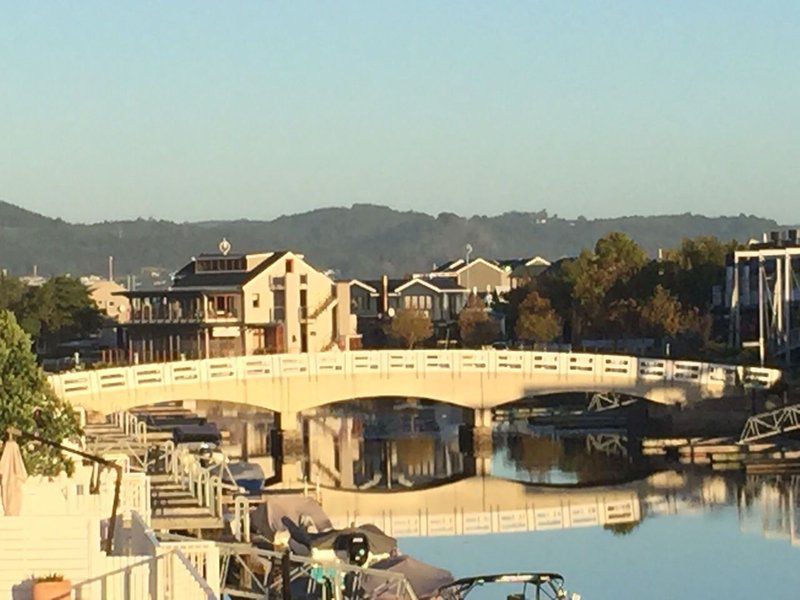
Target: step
(185, 523)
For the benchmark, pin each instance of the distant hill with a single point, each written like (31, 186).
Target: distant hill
(363, 240)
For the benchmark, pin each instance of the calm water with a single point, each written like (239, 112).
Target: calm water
(616, 524)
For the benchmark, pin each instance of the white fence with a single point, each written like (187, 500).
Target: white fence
(419, 362)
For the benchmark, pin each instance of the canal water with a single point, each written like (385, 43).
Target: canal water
(586, 504)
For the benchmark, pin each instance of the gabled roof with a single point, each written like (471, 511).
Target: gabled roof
(374, 286)
(515, 263)
(475, 261)
(437, 284)
(450, 265)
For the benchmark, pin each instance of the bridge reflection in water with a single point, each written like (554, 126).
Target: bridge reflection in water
(405, 470)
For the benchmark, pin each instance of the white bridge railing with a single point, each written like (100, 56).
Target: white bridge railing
(384, 363)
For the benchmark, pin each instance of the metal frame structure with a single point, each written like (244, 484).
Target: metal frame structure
(601, 402)
(610, 444)
(775, 296)
(771, 424)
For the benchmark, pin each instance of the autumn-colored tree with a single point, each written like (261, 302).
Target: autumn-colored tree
(662, 315)
(410, 326)
(476, 325)
(537, 321)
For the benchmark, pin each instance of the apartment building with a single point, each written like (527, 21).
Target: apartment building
(225, 304)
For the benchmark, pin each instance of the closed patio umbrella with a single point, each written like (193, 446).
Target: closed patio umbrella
(12, 476)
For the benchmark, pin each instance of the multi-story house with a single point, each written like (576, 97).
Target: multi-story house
(231, 304)
(479, 276)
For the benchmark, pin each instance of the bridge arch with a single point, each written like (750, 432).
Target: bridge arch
(290, 384)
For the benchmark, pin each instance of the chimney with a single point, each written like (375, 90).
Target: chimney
(111, 268)
(384, 294)
(35, 270)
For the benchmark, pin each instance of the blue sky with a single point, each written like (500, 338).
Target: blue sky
(194, 110)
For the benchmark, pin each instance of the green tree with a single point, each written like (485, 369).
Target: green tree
(476, 325)
(411, 326)
(11, 292)
(699, 265)
(537, 321)
(615, 259)
(28, 402)
(58, 311)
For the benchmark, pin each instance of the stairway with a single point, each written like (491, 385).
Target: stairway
(174, 508)
(322, 307)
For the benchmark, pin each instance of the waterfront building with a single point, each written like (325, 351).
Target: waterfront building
(761, 293)
(225, 304)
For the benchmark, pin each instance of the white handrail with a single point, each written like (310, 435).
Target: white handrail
(384, 362)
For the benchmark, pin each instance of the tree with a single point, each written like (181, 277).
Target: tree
(411, 326)
(476, 326)
(57, 311)
(663, 314)
(537, 321)
(11, 292)
(28, 403)
(615, 259)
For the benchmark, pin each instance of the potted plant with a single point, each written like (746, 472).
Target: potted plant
(51, 587)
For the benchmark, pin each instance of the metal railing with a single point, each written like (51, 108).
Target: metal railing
(206, 484)
(771, 424)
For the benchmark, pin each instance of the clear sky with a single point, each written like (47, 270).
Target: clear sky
(197, 110)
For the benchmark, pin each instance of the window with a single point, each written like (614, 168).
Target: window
(418, 302)
(256, 300)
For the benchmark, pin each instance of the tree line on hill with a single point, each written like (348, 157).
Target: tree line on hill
(359, 241)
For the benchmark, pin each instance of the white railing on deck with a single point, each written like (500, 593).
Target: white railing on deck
(202, 555)
(131, 426)
(168, 576)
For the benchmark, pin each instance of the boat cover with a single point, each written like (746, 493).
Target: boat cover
(425, 579)
(184, 434)
(247, 475)
(272, 517)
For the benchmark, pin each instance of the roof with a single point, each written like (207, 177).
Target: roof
(438, 284)
(454, 267)
(187, 277)
(375, 285)
(512, 264)
(450, 265)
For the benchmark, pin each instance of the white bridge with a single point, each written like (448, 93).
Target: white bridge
(291, 383)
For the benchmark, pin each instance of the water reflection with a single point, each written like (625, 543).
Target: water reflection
(406, 469)
(394, 446)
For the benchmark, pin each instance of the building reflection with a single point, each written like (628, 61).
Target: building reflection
(406, 471)
(352, 448)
